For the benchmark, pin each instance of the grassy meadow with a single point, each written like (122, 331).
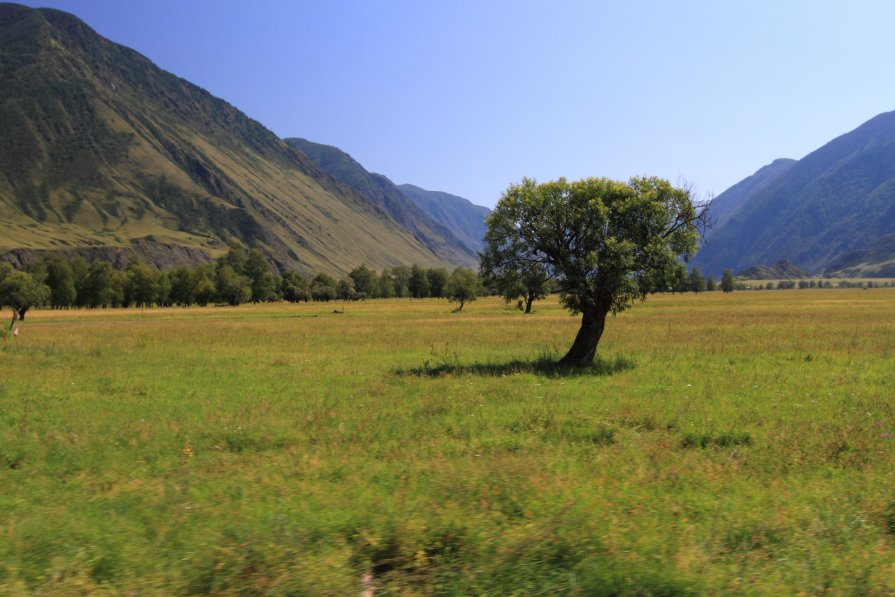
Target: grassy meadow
(736, 443)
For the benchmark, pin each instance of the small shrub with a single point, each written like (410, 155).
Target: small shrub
(725, 440)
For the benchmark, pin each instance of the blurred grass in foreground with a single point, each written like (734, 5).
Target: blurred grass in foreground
(737, 443)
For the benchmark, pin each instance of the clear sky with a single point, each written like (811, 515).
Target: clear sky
(469, 96)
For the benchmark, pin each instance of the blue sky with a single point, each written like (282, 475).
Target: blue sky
(469, 96)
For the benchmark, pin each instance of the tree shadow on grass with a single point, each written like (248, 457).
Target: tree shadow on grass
(547, 366)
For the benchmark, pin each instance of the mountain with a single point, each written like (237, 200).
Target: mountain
(876, 261)
(829, 209)
(465, 219)
(728, 202)
(383, 193)
(102, 149)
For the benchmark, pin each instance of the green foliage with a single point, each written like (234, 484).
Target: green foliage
(366, 281)
(20, 290)
(345, 289)
(606, 243)
(236, 277)
(263, 281)
(232, 288)
(182, 286)
(696, 281)
(204, 289)
(438, 279)
(163, 294)
(387, 284)
(463, 286)
(236, 259)
(531, 282)
(728, 283)
(324, 287)
(241, 276)
(295, 287)
(142, 284)
(98, 288)
(401, 274)
(60, 278)
(418, 284)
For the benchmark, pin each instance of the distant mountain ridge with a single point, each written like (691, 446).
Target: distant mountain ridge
(102, 149)
(383, 193)
(462, 217)
(876, 261)
(838, 201)
(727, 203)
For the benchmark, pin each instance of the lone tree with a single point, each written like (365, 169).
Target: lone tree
(21, 291)
(531, 283)
(605, 243)
(462, 286)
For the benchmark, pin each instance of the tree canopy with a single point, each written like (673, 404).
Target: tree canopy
(462, 286)
(531, 283)
(697, 281)
(20, 290)
(728, 283)
(604, 243)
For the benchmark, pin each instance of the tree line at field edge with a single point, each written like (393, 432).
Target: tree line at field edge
(598, 243)
(62, 282)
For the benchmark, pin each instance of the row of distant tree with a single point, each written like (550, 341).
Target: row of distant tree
(63, 282)
(696, 282)
(802, 284)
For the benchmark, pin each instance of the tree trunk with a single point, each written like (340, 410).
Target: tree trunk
(584, 349)
(528, 301)
(22, 312)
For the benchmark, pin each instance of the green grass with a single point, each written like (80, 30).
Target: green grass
(736, 443)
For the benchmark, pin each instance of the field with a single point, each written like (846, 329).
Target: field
(725, 444)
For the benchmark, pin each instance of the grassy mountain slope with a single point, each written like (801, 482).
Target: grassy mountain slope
(382, 192)
(839, 199)
(102, 148)
(465, 219)
(727, 203)
(876, 261)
